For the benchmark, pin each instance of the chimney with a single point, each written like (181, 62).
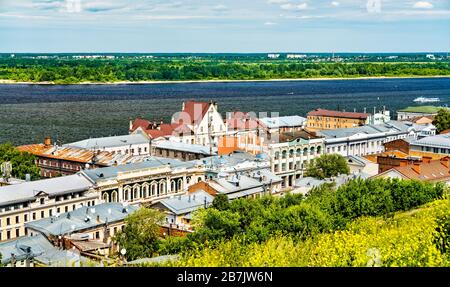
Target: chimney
(416, 167)
(445, 161)
(426, 159)
(98, 218)
(47, 141)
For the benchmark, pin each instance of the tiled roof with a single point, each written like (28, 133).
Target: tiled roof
(195, 110)
(433, 171)
(338, 114)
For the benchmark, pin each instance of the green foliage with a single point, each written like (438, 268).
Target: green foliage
(70, 71)
(442, 120)
(327, 165)
(221, 202)
(1, 264)
(140, 234)
(22, 162)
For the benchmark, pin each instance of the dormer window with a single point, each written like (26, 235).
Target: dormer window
(42, 201)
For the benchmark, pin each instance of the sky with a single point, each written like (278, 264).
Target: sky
(224, 26)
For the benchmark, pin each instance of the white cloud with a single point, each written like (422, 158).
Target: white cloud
(270, 23)
(220, 8)
(277, 1)
(335, 3)
(292, 7)
(423, 5)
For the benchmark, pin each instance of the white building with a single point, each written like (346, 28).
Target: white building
(368, 139)
(134, 144)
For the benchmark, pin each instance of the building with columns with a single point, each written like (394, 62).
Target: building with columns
(292, 152)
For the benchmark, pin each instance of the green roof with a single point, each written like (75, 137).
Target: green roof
(422, 109)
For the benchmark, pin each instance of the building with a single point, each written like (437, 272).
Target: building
(273, 56)
(306, 184)
(34, 200)
(368, 139)
(292, 152)
(277, 125)
(250, 184)
(358, 165)
(417, 111)
(144, 182)
(321, 119)
(55, 160)
(244, 133)
(88, 229)
(426, 170)
(134, 144)
(438, 144)
(178, 209)
(181, 151)
(161, 130)
(37, 251)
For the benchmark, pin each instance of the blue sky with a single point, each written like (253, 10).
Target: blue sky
(224, 26)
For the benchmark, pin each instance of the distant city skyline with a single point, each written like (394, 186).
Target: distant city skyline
(228, 26)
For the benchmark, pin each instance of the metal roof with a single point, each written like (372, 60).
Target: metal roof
(289, 121)
(442, 141)
(182, 204)
(83, 218)
(27, 191)
(389, 127)
(178, 146)
(108, 142)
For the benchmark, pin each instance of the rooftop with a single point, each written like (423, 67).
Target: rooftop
(291, 136)
(109, 142)
(338, 114)
(179, 146)
(183, 204)
(389, 127)
(27, 191)
(434, 170)
(83, 218)
(442, 141)
(279, 122)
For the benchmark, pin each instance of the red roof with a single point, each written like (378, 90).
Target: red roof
(242, 121)
(143, 123)
(193, 112)
(434, 170)
(338, 114)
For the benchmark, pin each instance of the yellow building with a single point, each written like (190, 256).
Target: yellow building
(321, 119)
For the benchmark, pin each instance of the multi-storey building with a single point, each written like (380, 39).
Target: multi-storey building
(34, 200)
(368, 139)
(321, 119)
(292, 152)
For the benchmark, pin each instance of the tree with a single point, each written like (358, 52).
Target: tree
(327, 165)
(22, 162)
(442, 120)
(221, 202)
(1, 264)
(141, 233)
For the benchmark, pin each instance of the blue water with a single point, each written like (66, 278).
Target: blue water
(28, 113)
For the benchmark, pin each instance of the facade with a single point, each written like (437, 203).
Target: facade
(359, 165)
(411, 113)
(293, 151)
(438, 144)
(368, 139)
(321, 119)
(180, 150)
(145, 182)
(277, 125)
(34, 200)
(134, 144)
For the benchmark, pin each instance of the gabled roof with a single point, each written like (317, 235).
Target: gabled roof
(338, 114)
(433, 171)
(195, 111)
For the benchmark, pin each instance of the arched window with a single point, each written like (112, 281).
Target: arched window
(305, 151)
(312, 150)
(179, 184)
(154, 189)
(299, 152)
(291, 153)
(162, 187)
(283, 154)
(127, 193)
(319, 150)
(173, 185)
(277, 155)
(114, 196)
(136, 191)
(188, 179)
(105, 197)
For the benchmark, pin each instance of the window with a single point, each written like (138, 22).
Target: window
(17, 219)
(25, 218)
(97, 235)
(34, 215)
(66, 209)
(42, 201)
(42, 214)
(8, 221)
(8, 234)
(17, 232)
(58, 210)
(73, 207)
(50, 212)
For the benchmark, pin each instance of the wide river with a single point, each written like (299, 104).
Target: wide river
(68, 113)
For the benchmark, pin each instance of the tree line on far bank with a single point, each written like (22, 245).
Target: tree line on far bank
(95, 70)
